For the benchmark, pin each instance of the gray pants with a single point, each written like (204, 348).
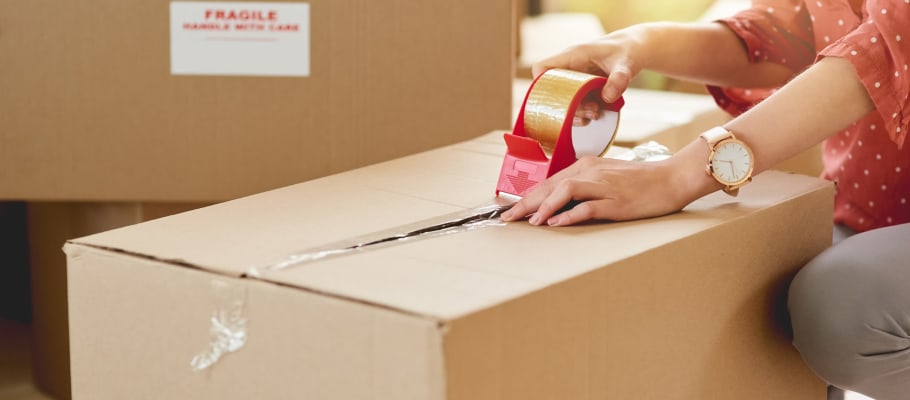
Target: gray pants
(850, 310)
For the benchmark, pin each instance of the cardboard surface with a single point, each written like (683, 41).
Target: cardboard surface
(93, 112)
(686, 306)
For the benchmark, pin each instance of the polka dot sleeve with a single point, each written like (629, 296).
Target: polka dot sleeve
(777, 31)
(879, 49)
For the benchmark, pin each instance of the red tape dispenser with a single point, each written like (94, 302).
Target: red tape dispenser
(545, 126)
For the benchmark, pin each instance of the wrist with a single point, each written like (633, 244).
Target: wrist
(689, 180)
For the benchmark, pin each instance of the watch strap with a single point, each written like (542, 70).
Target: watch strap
(715, 135)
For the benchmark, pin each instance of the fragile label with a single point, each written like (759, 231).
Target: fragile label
(244, 38)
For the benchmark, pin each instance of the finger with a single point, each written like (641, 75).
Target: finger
(533, 199)
(561, 60)
(590, 105)
(539, 68)
(580, 213)
(581, 121)
(566, 191)
(617, 83)
(528, 204)
(557, 61)
(576, 58)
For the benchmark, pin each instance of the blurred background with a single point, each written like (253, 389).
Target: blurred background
(548, 26)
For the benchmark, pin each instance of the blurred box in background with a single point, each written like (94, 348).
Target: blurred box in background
(98, 115)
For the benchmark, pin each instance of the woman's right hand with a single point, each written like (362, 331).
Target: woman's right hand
(616, 56)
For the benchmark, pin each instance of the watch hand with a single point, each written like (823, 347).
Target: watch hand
(732, 169)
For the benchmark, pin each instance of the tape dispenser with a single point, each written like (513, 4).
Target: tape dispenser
(545, 140)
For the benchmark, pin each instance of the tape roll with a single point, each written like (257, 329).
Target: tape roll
(551, 105)
(545, 140)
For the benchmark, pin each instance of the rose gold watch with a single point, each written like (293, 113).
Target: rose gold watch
(731, 161)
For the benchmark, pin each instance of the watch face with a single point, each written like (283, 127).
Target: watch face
(731, 162)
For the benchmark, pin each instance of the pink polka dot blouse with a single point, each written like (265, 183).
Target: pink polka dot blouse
(868, 160)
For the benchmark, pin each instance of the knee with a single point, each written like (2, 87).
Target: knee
(828, 315)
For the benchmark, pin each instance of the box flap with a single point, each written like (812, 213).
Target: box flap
(229, 237)
(444, 277)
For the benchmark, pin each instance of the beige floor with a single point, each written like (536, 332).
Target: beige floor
(15, 363)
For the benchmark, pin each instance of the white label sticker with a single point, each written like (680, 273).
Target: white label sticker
(244, 38)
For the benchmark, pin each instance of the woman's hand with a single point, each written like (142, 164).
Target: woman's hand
(605, 189)
(589, 110)
(617, 190)
(613, 56)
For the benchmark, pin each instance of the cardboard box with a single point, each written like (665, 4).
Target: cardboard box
(686, 306)
(50, 224)
(92, 110)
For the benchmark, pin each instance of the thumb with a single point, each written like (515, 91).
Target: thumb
(617, 83)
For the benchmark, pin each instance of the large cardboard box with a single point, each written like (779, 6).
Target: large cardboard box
(686, 306)
(92, 110)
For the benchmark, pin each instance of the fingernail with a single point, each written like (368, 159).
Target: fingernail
(506, 216)
(610, 94)
(535, 220)
(555, 221)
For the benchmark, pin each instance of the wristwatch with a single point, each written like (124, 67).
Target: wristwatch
(731, 161)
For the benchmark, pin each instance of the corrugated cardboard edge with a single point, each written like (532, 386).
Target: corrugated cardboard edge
(71, 247)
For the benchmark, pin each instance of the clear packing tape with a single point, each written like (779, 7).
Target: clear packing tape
(228, 324)
(550, 110)
(468, 220)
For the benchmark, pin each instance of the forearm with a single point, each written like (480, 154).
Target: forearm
(818, 103)
(703, 52)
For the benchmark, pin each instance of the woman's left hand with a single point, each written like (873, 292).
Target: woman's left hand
(605, 189)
